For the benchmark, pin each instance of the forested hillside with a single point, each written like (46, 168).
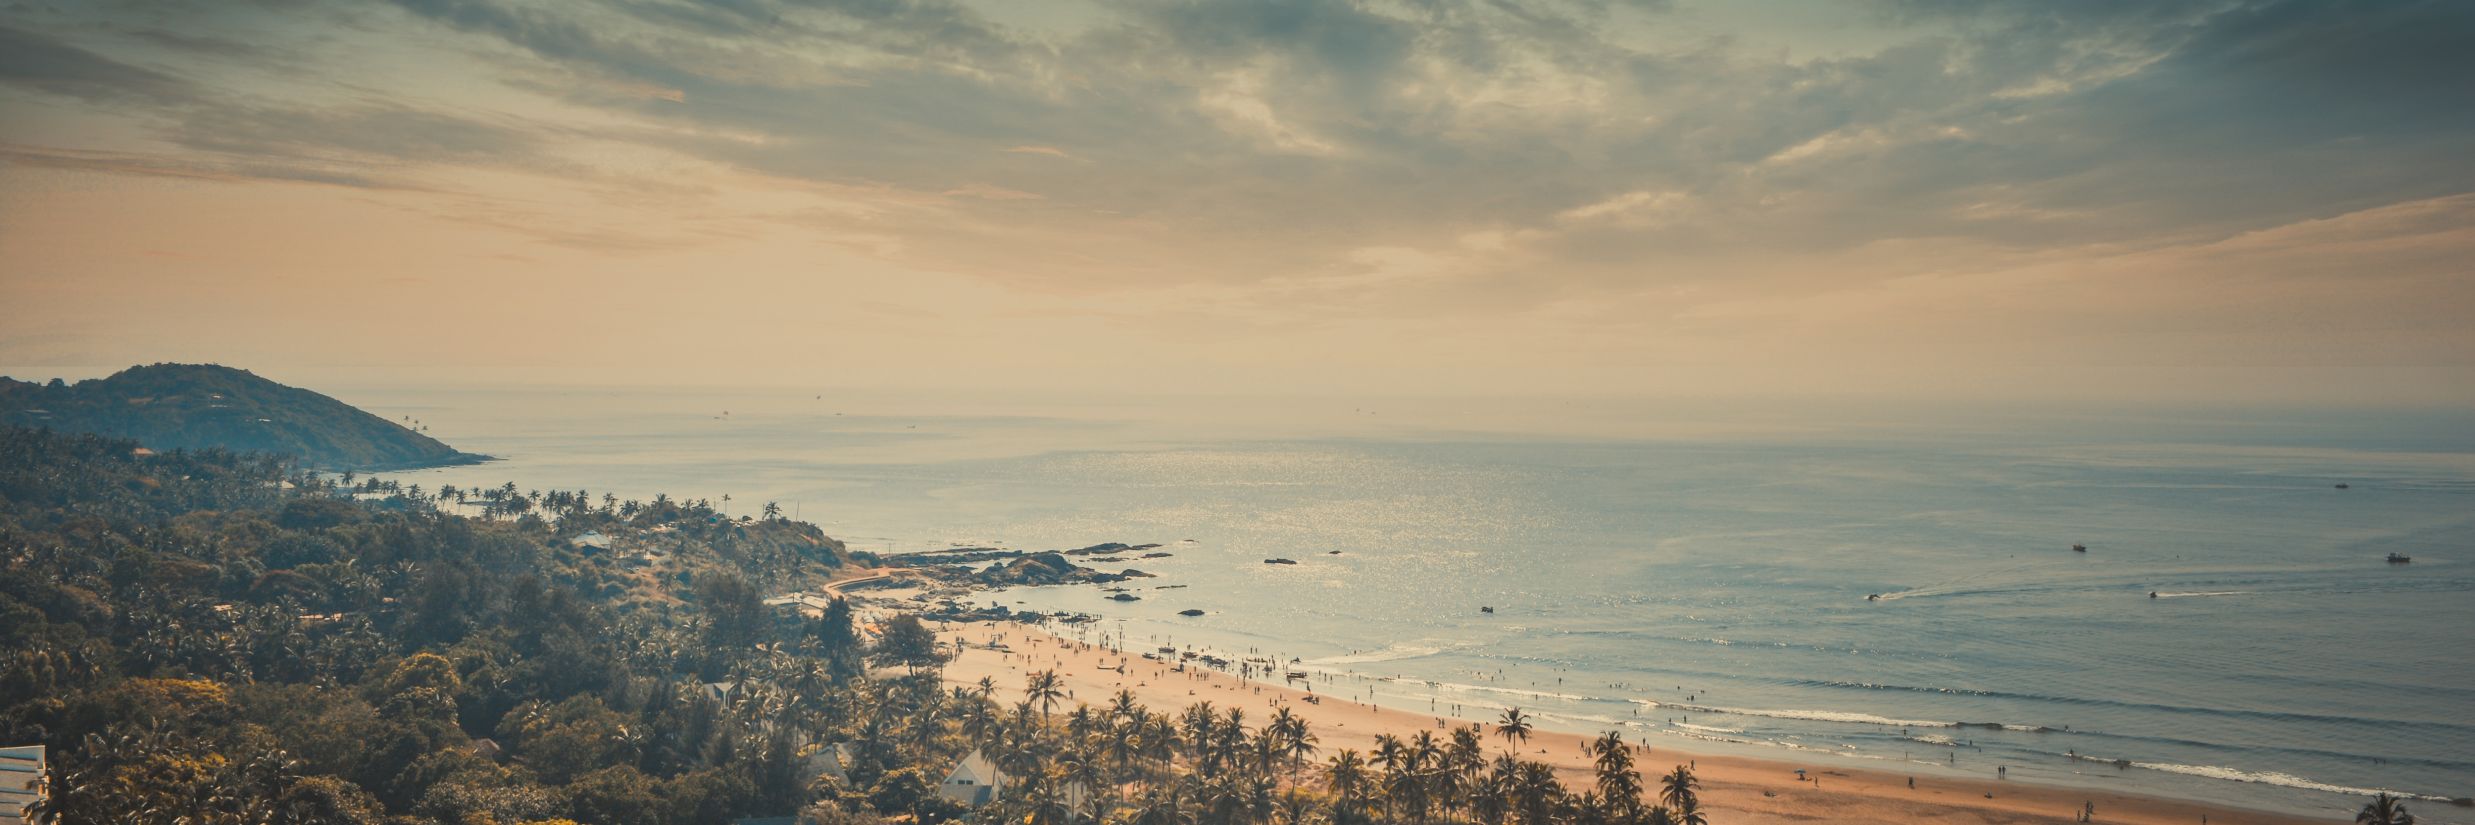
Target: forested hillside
(193, 406)
(197, 633)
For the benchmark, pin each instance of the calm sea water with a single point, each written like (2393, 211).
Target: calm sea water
(1699, 585)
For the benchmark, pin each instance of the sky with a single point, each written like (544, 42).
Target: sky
(2109, 201)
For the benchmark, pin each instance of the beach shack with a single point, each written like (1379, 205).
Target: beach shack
(22, 782)
(591, 543)
(974, 781)
(833, 760)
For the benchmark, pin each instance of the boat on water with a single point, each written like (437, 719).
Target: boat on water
(2399, 558)
(2079, 548)
(1486, 609)
(1280, 561)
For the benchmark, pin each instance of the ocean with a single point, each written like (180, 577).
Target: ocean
(1885, 591)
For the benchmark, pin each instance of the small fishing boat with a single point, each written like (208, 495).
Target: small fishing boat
(1486, 609)
(2397, 558)
(2079, 548)
(1190, 612)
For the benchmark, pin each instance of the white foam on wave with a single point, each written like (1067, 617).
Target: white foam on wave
(1817, 716)
(1508, 691)
(1387, 653)
(1711, 737)
(2284, 780)
(1707, 728)
(1580, 717)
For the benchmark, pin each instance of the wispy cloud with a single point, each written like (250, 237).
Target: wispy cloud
(1413, 159)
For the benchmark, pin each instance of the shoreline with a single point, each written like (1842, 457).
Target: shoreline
(1737, 789)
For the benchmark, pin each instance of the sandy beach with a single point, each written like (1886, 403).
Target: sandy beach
(1736, 789)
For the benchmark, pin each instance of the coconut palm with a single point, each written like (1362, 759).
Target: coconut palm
(1161, 807)
(1514, 726)
(1491, 796)
(1291, 739)
(1619, 786)
(1044, 690)
(2385, 810)
(1347, 777)
(1680, 791)
(1195, 728)
(1536, 792)
(1455, 763)
(1091, 775)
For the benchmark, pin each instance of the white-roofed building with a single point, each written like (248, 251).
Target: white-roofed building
(22, 782)
(974, 781)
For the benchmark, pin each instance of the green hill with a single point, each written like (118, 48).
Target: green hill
(190, 406)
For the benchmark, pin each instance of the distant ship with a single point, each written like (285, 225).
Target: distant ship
(2397, 558)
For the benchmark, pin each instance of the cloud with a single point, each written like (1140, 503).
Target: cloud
(34, 60)
(1362, 159)
(187, 167)
(372, 130)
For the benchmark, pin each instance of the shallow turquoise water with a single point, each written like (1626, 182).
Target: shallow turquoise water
(1709, 592)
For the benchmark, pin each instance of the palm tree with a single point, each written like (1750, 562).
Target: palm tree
(1196, 727)
(1457, 768)
(2385, 810)
(1347, 778)
(1161, 808)
(1491, 797)
(1536, 792)
(1044, 691)
(1619, 786)
(1296, 742)
(1514, 726)
(1678, 788)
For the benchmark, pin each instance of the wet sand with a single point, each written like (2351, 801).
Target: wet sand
(1734, 789)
